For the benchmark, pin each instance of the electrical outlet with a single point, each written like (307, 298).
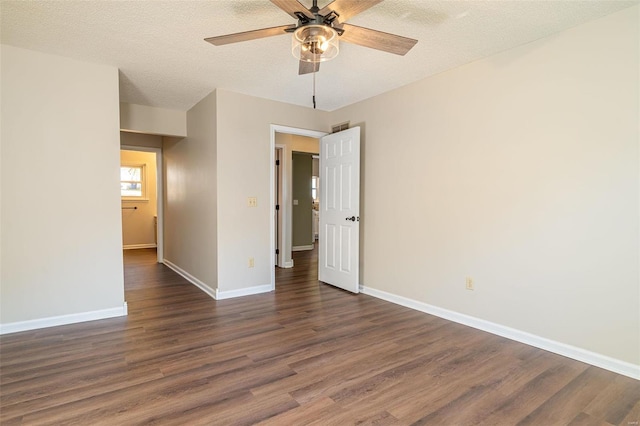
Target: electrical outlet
(469, 283)
(251, 262)
(252, 202)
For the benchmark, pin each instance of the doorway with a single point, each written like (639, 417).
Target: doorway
(142, 198)
(281, 194)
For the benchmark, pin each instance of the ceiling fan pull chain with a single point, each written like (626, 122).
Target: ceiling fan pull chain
(314, 88)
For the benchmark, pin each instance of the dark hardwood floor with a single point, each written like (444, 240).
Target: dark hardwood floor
(304, 354)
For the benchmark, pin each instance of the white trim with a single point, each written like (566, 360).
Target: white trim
(228, 294)
(15, 327)
(302, 248)
(193, 280)
(160, 206)
(281, 259)
(272, 207)
(138, 246)
(216, 293)
(573, 352)
(287, 265)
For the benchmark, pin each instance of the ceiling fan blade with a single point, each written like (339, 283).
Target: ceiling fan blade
(248, 35)
(377, 39)
(348, 8)
(308, 67)
(293, 6)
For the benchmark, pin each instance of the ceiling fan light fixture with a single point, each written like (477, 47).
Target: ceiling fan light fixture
(315, 43)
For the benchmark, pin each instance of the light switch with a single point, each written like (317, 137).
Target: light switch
(252, 202)
(295, 202)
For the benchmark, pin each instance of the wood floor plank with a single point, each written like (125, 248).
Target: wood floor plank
(633, 418)
(316, 409)
(534, 393)
(584, 419)
(307, 353)
(445, 389)
(616, 401)
(65, 396)
(572, 398)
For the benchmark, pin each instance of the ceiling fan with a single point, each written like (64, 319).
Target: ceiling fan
(316, 35)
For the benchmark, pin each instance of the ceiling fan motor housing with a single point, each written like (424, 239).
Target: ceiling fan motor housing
(315, 43)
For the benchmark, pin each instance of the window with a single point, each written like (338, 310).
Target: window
(314, 188)
(132, 182)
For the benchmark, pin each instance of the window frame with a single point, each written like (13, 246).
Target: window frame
(143, 182)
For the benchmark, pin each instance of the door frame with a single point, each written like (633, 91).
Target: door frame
(159, 194)
(279, 187)
(285, 206)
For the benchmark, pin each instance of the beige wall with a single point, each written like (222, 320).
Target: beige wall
(244, 124)
(61, 235)
(298, 143)
(140, 139)
(190, 204)
(151, 120)
(138, 225)
(210, 232)
(520, 171)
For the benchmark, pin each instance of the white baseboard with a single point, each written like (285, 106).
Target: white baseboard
(216, 293)
(193, 280)
(573, 352)
(228, 294)
(15, 327)
(138, 246)
(287, 265)
(302, 248)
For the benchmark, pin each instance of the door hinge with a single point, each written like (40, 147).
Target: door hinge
(277, 251)
(277, 162)
(277, 207)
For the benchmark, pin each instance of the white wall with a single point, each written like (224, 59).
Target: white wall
(151, 120)
(138, 225)
(61, 234)
(521, 171)
(190, 203)
(244, 124)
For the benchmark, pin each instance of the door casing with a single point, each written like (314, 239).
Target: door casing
(285, 230)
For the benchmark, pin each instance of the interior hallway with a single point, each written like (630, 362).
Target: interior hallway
(305, 354)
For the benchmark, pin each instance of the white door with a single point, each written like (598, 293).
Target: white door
(339, 236)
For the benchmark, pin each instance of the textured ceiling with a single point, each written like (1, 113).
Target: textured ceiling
(164, 62)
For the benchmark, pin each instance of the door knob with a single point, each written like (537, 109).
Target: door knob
(352, 218)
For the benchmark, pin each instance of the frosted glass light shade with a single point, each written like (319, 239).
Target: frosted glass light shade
(315, 43)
